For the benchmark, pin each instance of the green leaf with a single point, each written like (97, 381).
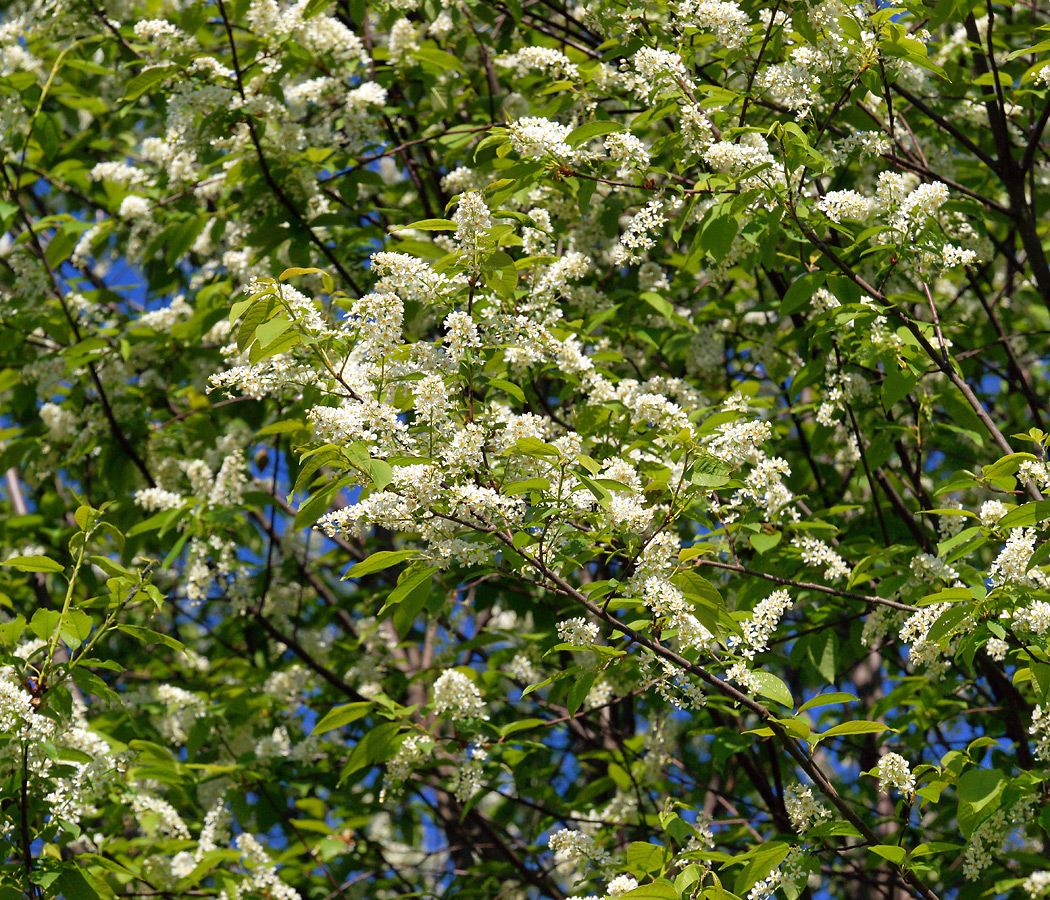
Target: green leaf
(11, 632)
(339, 716)
(382, 559)
(146, 79)
(708, 605)
(644, 859)
(296, 271)
(1040, 557)
(802, 289)
(896, 385)
(315, 507)
(528, 484)
(1025, 515)
(1040, 679)
(375, 747)
(763, 542)
(508, 388)
(947, 622)
(413, 585)
(33, 564)
(657, 890)
(521, 725)
(44, 623)
(853, 728)
(269, 331)
(832, 698)
(660, 304)
(530, 446)
(768, 685)
(72, 885)
(578, 692)
(149, 636)
(890, 852)
(948, 595)
(589, 130)
(430, 225)
(439, 59)
(980, 791)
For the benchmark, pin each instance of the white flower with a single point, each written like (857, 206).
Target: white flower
(895, 772)
(803, 810)
(567, 844)
(134, 207)
(1038, 883)
(457, 695)
(763, 621)
(621, 884)
(535, 137)
(627, 150)
(839, 205)
(578, 631)
(992, 511)
(402, 40)
(816, 553)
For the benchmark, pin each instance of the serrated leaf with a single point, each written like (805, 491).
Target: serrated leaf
(895, 855)
(853, 728)
(1025, 515)
(832, 698)
(378, 561)
(769, 685)
(149, 636)
(708, 605)
(657, 890)
(591, 130)
(947, 622)
(578, 692)
(339, 716)
(508, 388)
(800, 291)
(33, 564)
(146, 79)
(429, 225)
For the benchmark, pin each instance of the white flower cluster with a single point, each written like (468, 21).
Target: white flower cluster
(627, 150)
(578, 631)
(540, 59)
(665, 600)
(839, 205)
(994, 834)
(991, 512)
(568, 844)
(454, 693)
(1009, 566)
(621, 884)
(1038, 883)
(763, 621)
(535, 137)
(1040, 730)
(62, 424)
(730, 24)
(922, 651)
(1035, 617)
(473, 221)
(895, 772)
(737, 442)
(816, 553)
(466, 780)
(803, 809)
(637, 238)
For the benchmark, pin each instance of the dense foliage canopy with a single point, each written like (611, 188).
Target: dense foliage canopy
(518, 449)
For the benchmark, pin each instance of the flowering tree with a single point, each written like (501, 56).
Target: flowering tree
(504, 449)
